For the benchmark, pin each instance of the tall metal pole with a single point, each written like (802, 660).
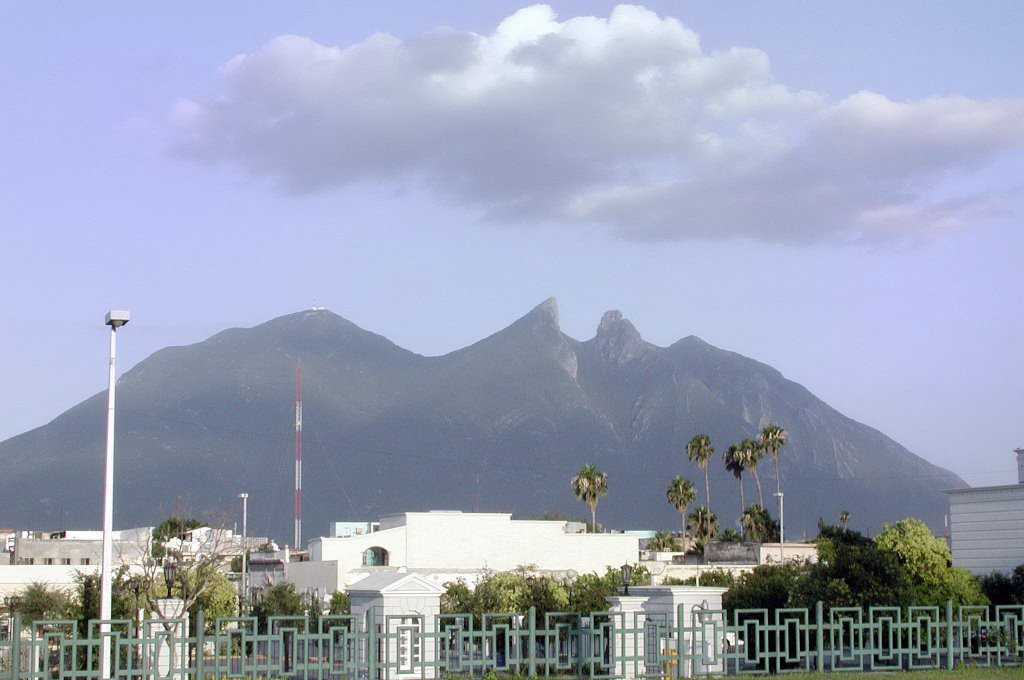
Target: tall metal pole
(298, 456)
(245, 547)
(782, 527)
(114, 319)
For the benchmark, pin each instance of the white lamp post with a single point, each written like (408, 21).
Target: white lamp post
(115, 319)
(245, 550)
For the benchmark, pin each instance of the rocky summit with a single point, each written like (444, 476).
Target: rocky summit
(500, 425)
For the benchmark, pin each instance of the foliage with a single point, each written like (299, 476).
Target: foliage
(730, 535)
(43, 602)
(928, 564)
(218, 598)
(906, 566)
(1003, 589)
(514, 592)
(758, 525)
(173, 527)
(768, 586)
(751, 454)
(719, 578)
(664, 542)
(703, 523)
(280, 599)
(680, 494)
(699, 450)
(340, 603)
(771, 439)
(589, 485)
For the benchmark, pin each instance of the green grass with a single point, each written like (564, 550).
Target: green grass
(955, 674)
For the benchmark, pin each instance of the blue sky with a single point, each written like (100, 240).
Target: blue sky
(834, 189)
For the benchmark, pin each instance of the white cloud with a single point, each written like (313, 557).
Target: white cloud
(623, 122)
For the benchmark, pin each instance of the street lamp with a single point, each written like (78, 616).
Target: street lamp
(115, 319)
(170, 570)
(245, 550)
(782, 527)
(627, 575)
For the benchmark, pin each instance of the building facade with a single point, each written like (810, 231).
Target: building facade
(986, 525)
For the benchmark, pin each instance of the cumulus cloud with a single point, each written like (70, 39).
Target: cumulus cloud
(624, 122)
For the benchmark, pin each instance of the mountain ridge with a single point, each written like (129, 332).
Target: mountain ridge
(499, 424)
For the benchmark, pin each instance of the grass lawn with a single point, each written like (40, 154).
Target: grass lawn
(955, 674)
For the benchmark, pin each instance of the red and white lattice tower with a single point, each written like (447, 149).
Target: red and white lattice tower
(298, 456)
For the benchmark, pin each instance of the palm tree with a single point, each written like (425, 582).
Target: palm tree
(699, 450)
(703, 522)
(844, 517)
(758, 525)
(736, 464)
(771, 439)
(752, 454)
(680, 494)
(663, 542)
(589, 485)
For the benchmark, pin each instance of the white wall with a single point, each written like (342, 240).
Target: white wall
(986, 528)
(16, 577)
(468, 541)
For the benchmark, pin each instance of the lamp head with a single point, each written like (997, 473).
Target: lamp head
(117, 318)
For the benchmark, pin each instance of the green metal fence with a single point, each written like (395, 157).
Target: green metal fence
(604, 645)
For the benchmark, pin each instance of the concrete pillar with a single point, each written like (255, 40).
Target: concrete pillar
(629, 639)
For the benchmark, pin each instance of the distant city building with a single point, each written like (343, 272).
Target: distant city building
(79, 548)
(347, 529)
(986, 525)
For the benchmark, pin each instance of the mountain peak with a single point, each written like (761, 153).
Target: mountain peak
(618, 341)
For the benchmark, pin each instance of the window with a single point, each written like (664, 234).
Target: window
(48, 560)
(65, 560)
(375, 557)
(85, 560)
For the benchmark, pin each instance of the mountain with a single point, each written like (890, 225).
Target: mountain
(500, 425)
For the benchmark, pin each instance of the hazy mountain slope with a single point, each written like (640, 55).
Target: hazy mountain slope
(499, 425)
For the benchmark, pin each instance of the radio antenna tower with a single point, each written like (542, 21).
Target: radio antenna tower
(298, 456)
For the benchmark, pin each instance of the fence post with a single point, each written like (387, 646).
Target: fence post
(819, 613)
(949, 634)
(200, 635)
(371, 646)
(532, 646)
(16, 647)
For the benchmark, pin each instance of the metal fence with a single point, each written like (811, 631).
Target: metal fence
(603, 645)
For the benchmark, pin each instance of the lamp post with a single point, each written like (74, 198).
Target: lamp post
(245, 551)
(627, 575)
(115, 319)
(170, 571)
(782, 527)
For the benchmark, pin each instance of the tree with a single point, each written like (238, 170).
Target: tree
(735, 463)
(771, 439)
(589, 485)
(758, 525)
(43, 602)
(1002, 589)
(281, 599)
(844, 517)
(699, 450)
(663, 542)
(929, 565)
(200, 562)
(751, 454)
(730, 535)
(340, 603)
(680, 494)
(703, 523)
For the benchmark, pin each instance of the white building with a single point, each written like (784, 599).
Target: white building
(79, 548)
(986, 525)
(450, 544)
